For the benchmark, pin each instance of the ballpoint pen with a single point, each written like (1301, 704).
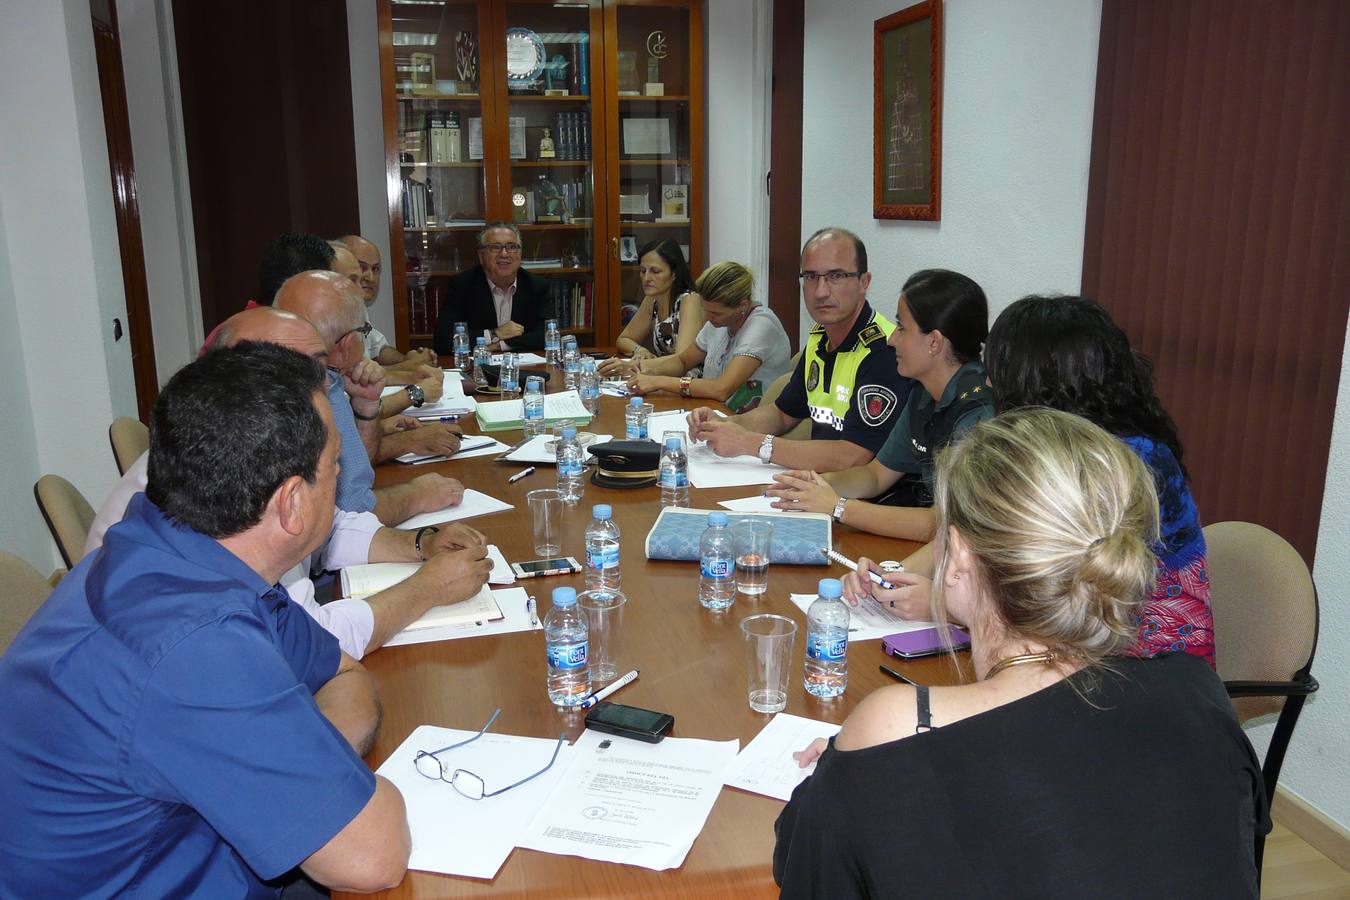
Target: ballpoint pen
(845, 561)
(533, 610)
(897, 676)
(607, 691)
(519, 475)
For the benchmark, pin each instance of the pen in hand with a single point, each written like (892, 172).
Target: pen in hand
(845, 561)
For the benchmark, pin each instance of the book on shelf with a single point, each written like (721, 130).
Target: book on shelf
(583, 68)
(674, 203)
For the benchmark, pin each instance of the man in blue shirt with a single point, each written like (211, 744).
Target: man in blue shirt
(173, 724)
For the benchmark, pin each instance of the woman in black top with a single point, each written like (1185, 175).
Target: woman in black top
(1064, 769)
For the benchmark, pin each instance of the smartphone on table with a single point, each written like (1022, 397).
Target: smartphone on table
(629, 721)
(558, 565)
(923, 642)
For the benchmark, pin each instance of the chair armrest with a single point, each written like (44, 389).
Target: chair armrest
(1305, 685)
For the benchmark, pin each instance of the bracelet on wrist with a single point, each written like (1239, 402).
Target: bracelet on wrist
(417, 539)
(367, 418)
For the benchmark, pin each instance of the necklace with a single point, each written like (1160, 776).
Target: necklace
(1024, 659)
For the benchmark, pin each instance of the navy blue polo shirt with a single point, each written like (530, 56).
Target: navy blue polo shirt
(159, 731)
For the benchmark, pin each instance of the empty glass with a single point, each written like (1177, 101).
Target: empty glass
(768, 656)
(546, 509)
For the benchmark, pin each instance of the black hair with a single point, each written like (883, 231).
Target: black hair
(1068, 354)
(952, 304)
(833, 231)
(670, 251)
(290, 254)
(228, 429)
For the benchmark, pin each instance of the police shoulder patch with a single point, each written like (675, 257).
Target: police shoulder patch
(875, 403)
(871, 334)
(813, 375)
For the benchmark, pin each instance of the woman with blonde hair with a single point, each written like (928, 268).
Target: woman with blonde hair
(1066, 768)
(741, 348)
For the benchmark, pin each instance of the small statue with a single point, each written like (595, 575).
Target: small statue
(546, 146)
(548, 201)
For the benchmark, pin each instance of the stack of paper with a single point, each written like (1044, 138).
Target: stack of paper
(453, 401)
(503, 415)
(516, 615)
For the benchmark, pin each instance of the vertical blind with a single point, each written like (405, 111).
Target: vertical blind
(1217, 235)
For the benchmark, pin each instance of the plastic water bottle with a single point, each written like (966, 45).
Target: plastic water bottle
(590, 386)
(534, 407)
(717, 564)
(602, 551)
(552, 343)
(509, 379)
(571, 363)
(827, 641)
(635, 420)
(568, 643)
(460, 344)
(570, 466)
(674, 472)
(482, 357)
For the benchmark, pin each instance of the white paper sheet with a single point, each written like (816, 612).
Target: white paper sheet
(458, 836)
(766, 765)
(475, 503)
(471, 445)
(534, 450)
(756, 504)
(674, 420)
(708, 470)
(453, 400)
(522, 359)
(564, 405)
(869, 620)
(628, 802)
(616, 387)
(511, 601)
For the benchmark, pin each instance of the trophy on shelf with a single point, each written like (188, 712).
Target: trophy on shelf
(657, 50)
(555, 75)
(628, 74)
(466, 61)
(546, 146)
(549, 204)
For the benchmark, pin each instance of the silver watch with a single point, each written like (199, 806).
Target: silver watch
(839, 509)
(766, 449)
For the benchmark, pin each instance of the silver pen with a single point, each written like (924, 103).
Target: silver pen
(532, 609)
(521, 474)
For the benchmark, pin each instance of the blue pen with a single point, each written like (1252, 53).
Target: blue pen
(845, 561)
(448, 419)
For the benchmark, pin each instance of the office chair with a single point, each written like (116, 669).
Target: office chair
(24, 590)
(1265, 632)
(68, 516)
(130, 438)
(802, 430)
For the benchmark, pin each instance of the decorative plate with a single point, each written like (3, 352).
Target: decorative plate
(525, 58)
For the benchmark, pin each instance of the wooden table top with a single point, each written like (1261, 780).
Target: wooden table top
(692, 662)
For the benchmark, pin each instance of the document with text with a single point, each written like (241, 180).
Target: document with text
(766, 765)
(869, 620)
(625, 801)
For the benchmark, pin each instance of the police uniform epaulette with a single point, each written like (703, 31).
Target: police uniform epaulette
(817, 328)
(871, 334)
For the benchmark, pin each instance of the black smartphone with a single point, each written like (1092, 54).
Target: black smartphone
(630, 721)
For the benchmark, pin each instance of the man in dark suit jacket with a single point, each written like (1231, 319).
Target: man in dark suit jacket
(496, 296)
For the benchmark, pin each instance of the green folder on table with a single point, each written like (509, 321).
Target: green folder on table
(505, 415)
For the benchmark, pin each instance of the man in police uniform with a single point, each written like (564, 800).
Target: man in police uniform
(845, 382)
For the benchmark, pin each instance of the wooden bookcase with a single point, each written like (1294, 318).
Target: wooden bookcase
(463, 146)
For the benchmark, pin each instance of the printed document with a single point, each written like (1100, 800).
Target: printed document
(869, 620)
(628, 802)
(471, 445)
(542, 448)
(708, 470)
(766, 765)
(458, 836)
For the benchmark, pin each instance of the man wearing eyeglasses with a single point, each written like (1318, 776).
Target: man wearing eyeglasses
(845, 382)
(496, 296)
(174, 726)
(369, 269)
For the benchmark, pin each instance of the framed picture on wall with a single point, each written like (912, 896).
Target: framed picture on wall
(907, 113)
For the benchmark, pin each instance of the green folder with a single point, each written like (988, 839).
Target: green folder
(505, 415)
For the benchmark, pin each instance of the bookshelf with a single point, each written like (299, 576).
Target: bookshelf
(474, 93)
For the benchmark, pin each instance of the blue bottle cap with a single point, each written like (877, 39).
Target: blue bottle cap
(535, 381)
(672, 442)
(635, 402)
(831, 587)
(569, 433)
(602, 511)
(459, 327)
(564, 597)
(482, 341)
(717, 518)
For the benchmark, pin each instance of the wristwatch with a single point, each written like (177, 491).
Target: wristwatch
(766, 449)
(684, 387)
(416, 395)
(839, 509)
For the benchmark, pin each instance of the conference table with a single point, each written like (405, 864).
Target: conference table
(692, 661)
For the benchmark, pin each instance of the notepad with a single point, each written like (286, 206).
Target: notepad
(369, 579)
(504, 415)
(481, 607)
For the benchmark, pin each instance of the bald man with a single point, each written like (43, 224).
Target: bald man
(456, 554)
(378, 347)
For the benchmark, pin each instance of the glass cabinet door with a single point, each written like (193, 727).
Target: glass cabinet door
(659, 106)
(549, 53)
(443, 186)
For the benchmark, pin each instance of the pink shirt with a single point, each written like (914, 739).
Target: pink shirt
(501, 299)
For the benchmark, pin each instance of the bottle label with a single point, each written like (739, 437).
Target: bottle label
(567, 656)
(590, 391)
(635, 430)
(534, 411)
(510, 383)
(603, 557)
(826, 648)
(718, 569)
(569, 467)
(674, 478)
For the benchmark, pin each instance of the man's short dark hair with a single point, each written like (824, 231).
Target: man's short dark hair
(228, 430)
(843, 234)
(290, 254)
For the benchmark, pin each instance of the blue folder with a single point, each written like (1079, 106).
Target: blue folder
(797, 537)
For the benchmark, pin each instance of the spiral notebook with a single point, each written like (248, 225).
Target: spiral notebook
(797, 537)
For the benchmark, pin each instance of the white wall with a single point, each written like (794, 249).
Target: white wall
(738, 51)
(372, 195)
(1018, 82)
(64, 275)
(150, 68)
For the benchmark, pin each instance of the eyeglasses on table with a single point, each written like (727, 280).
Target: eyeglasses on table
(466, 783)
